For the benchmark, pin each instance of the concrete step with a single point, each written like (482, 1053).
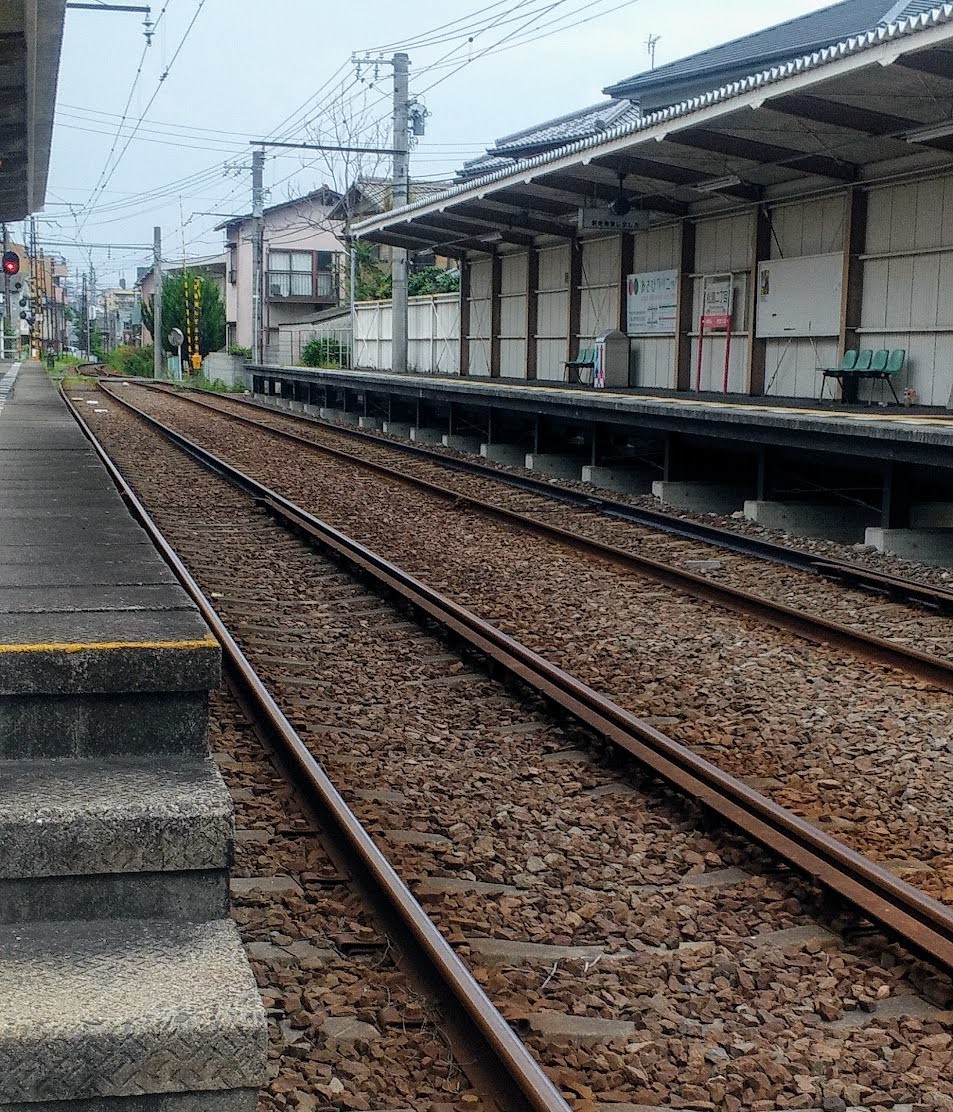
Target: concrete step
(83, 839)
(129, 1015)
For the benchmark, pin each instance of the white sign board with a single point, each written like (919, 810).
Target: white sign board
(716, 302)
(652, 302)
(800, 296)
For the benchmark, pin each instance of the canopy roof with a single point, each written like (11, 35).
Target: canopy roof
(31, 34)
(870, 107)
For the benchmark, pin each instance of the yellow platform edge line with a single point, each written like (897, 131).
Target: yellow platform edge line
(98, 646)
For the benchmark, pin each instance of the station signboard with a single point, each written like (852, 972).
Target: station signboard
(652, 303)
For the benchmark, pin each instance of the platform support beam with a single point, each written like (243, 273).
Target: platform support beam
(575, 299)
(852, 284)
(683, 323)
(626, 266)
(757, 349)
(532, 312)
(496, 313)
(464, 316)
(895, 504)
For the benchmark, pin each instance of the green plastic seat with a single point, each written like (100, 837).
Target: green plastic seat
(895, 361)
(879, 362)
(864, 358)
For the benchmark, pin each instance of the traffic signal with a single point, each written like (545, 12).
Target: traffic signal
(11, 262)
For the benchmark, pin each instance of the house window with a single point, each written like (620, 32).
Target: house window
(327, 281)
(290, 274)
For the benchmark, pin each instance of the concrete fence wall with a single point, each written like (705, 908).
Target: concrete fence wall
(433, 336)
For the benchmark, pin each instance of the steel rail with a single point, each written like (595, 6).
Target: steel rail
(815, 628)
(894, 586)
(923, 924)
(491, 1053)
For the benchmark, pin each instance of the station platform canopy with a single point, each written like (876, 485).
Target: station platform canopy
(872, 108)
(31, 35)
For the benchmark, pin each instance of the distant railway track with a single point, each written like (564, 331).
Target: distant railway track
(895, 587)
(934, 668)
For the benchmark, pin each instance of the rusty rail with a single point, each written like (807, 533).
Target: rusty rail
(922, 923)
(489, 1050)
(819, 630)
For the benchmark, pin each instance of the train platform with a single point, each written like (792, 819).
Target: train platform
(869, 475)
(918, 434)
(123, 979)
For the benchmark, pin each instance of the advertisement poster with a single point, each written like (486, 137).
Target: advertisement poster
(652, 302)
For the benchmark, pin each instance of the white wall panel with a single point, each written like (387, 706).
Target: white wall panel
(481, 284)
(814, 227)
(513, 316)
(653, 357)
(653, 362)
(657, 249)
(552, 322)
(793, 367)
(723, 244)
(601, 288)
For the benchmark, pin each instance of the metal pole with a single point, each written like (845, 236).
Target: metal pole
(353, 359)
(258, 248)
(84, 335)
(157, 367)
(401, 189)
(7, 307)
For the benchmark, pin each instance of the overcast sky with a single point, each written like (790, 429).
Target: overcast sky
(249, 69)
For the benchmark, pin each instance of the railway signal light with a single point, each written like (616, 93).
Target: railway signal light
(11, 262)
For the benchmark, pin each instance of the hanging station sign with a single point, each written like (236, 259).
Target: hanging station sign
(652, 303)
(604, 220)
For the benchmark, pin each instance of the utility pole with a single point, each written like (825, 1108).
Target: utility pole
(84, 335)
(7, 307)
(258, 248)
(157, 364)
(401, 192)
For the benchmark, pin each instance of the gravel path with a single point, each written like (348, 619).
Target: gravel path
(648, 959)
(865, 752)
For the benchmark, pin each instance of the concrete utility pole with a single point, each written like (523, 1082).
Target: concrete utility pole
(258, 248)
(7, 307)
(158, 367)
(401, 191)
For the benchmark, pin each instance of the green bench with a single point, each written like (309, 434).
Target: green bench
(586, 358)
(856, 365)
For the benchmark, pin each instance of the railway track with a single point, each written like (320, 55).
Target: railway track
(385, 449)
(861, 750)
(803, 604)
(686, 969)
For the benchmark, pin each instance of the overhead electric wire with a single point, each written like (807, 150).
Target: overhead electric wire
(165, 73)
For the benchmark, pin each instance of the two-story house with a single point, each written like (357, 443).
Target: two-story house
(302, 265)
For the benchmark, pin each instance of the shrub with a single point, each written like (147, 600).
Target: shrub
(240, 351)
(325, 351)
(137, 362)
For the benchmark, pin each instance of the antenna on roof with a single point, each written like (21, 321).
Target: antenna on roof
(650, 47)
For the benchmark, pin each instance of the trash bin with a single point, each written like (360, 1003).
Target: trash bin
(611, 359)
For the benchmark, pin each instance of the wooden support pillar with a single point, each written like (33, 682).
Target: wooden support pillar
(575, 299)
(464, 316)
(852, 282)
(496, 313)
(684, 309)
(626, 266)
(532, 312)
(760, 250)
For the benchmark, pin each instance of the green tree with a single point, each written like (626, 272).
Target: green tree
(211, 312)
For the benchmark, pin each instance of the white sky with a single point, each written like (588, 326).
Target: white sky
(248, 65)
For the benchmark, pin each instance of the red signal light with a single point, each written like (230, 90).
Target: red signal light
(11, 262)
